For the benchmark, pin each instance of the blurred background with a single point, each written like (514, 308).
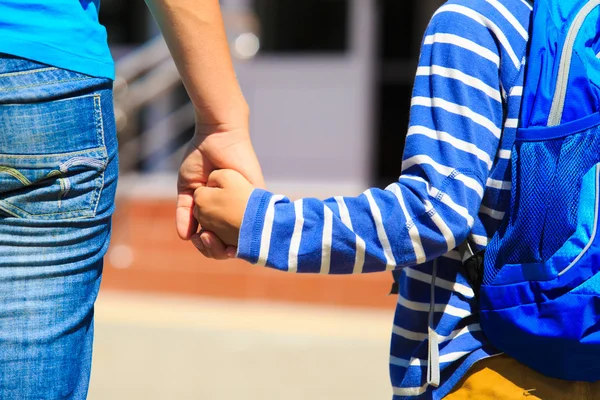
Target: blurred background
(329, 84)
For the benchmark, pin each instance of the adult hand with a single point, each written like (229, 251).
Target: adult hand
(213, 147)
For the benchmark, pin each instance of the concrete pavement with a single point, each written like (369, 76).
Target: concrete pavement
(157, 348)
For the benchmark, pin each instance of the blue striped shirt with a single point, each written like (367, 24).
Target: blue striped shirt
(455, 184)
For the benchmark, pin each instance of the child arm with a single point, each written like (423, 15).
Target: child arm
(455, 124)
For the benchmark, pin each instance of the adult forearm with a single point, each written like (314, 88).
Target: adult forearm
(194, 32)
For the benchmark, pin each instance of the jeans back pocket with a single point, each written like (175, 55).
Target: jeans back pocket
(52, 158)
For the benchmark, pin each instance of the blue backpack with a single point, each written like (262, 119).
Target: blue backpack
(540, 291)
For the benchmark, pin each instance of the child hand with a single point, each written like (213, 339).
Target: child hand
(220, 206)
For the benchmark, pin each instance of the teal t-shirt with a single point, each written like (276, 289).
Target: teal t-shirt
(61, 33)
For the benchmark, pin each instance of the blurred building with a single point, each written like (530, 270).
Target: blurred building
(328, 82)
(329, 85)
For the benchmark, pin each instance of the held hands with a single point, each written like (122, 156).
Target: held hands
(214, 146)
(219, 209)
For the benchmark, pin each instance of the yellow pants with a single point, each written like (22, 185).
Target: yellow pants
(504, 378)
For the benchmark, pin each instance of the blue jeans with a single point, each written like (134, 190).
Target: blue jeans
(58, 176)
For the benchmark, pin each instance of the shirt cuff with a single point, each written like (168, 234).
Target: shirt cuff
(252, 225)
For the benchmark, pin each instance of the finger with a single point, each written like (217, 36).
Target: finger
(197, 242)
(231, 251)
(184, 217)
(215, 245)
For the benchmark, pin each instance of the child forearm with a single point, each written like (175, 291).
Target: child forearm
(377, 231)
(194, 32)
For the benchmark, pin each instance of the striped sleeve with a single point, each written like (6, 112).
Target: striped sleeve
(455, 125)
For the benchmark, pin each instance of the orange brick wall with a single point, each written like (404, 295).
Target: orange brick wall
(156, 260)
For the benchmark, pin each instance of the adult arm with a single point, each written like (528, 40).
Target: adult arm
(195, 35)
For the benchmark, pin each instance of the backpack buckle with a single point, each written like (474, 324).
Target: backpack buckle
(473, 263)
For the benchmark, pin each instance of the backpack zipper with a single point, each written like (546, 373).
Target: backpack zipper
(594, 229)
(558, 102)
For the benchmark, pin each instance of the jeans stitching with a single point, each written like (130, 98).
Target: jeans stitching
(72, 153)
(90, 210)
(15, 174)
(46, 83)
(98, 120)
(86, 211)
(95, 194)
(100, 135)
(62, 191)
(98, 193)
(6, 210)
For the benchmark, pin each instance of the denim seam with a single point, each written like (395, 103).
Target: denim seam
(95, 198)
(31, 71)
(63, 190)
(87, 211)
(63, 181)
(98, 121)
(15, 174)
(46, 83)
(98, 149)
(100, 136)
(6, 210)
(99, 192)
(99, 126)
(84, 96)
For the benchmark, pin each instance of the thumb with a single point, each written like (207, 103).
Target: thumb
(184, 217)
